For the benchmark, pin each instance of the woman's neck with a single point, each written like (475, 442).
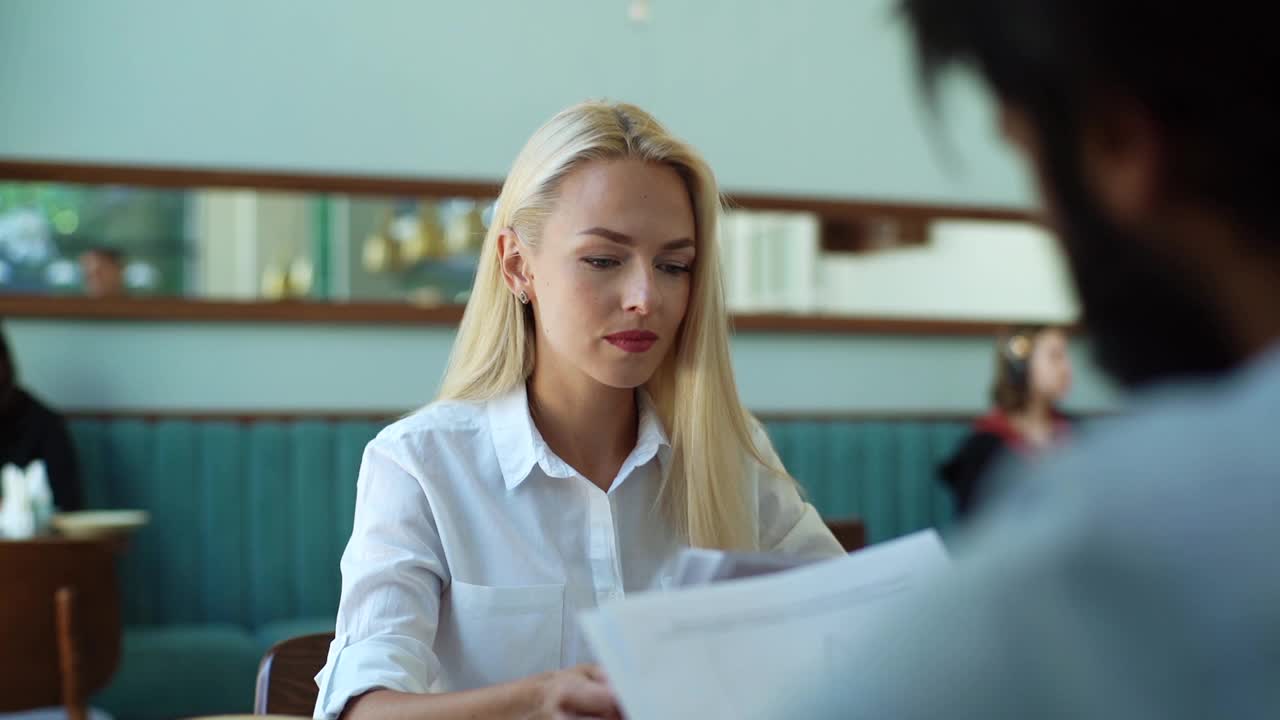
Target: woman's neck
(590, 426)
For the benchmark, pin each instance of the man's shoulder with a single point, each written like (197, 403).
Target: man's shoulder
(1187, 466)
(1198, 432)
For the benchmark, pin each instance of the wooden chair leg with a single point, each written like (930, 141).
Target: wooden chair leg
(69, 654)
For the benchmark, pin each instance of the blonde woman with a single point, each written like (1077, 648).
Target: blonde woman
(588, 426)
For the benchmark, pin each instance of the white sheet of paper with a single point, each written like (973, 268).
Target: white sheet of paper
(719, 651)
(699, 566)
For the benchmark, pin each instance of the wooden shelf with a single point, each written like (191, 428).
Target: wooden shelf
(238, 178)
(388, 415)
(27, 169)
(184, 310)
(388, 313)
(863, 325)
(339, 313)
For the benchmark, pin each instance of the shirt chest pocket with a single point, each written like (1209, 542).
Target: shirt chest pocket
(502, 633)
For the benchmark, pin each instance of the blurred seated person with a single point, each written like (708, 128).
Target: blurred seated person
(31, 431)
(1033, 375)
(103, 271)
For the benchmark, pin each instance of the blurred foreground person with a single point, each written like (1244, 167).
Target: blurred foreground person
(1135, 575)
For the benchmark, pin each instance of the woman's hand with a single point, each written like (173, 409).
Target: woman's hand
(578, 692)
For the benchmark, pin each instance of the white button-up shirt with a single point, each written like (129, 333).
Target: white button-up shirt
(475, 548)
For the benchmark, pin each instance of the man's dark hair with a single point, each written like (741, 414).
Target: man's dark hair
(1204, 76)
(1203, 73)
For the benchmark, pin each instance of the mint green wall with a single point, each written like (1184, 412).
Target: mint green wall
(805, 96)
(120, 366)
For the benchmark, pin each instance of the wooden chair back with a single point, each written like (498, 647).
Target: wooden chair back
(850, 532)
(286, 675)
(60, 620)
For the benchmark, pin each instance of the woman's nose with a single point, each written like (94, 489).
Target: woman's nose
(641, 292)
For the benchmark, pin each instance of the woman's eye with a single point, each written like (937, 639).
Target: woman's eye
(673, 268)
(601, 263)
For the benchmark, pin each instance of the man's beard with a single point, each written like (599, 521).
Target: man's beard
(1149, 316)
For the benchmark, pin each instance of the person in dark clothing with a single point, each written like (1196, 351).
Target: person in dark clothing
(31, 431)
(1033, 375)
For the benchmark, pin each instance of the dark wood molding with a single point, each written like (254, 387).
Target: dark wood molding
(12, 168)
(184, 310)
(863, 325)
(850, 209)
(391, 313)
(180, 177)
(242, 417)
(388, 416)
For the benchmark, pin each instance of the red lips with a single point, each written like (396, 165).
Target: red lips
(635, 341)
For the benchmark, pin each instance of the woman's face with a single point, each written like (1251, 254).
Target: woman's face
(1050, 366)
(610, 277)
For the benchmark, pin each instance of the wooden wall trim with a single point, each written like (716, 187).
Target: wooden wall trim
(833, 208)
(239, 178)
(323, 312)
(390, 313)
(184, 310)
(28, 169)
(388, 416)
(234, 416)
(863, 325)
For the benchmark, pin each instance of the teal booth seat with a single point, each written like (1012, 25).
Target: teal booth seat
(249, 520)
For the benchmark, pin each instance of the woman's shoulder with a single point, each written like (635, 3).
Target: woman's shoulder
(440, 420)
(759, 433)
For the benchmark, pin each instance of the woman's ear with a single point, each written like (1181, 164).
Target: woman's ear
(515, 264)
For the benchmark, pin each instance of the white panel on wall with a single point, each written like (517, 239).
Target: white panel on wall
(969, 270)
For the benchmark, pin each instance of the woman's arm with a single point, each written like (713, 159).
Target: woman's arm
(579, 692)
(393, 577)
(394, 574)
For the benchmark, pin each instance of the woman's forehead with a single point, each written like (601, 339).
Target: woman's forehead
(647, 201)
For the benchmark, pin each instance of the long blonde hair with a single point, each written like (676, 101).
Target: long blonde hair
(693, 389)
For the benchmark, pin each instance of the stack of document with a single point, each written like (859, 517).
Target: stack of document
(725, 650)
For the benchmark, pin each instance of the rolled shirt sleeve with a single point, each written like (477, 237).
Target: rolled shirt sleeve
(393, 575)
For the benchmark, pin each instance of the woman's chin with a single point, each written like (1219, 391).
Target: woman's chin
(624, 378)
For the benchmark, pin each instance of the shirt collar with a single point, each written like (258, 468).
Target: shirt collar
(520, 446)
